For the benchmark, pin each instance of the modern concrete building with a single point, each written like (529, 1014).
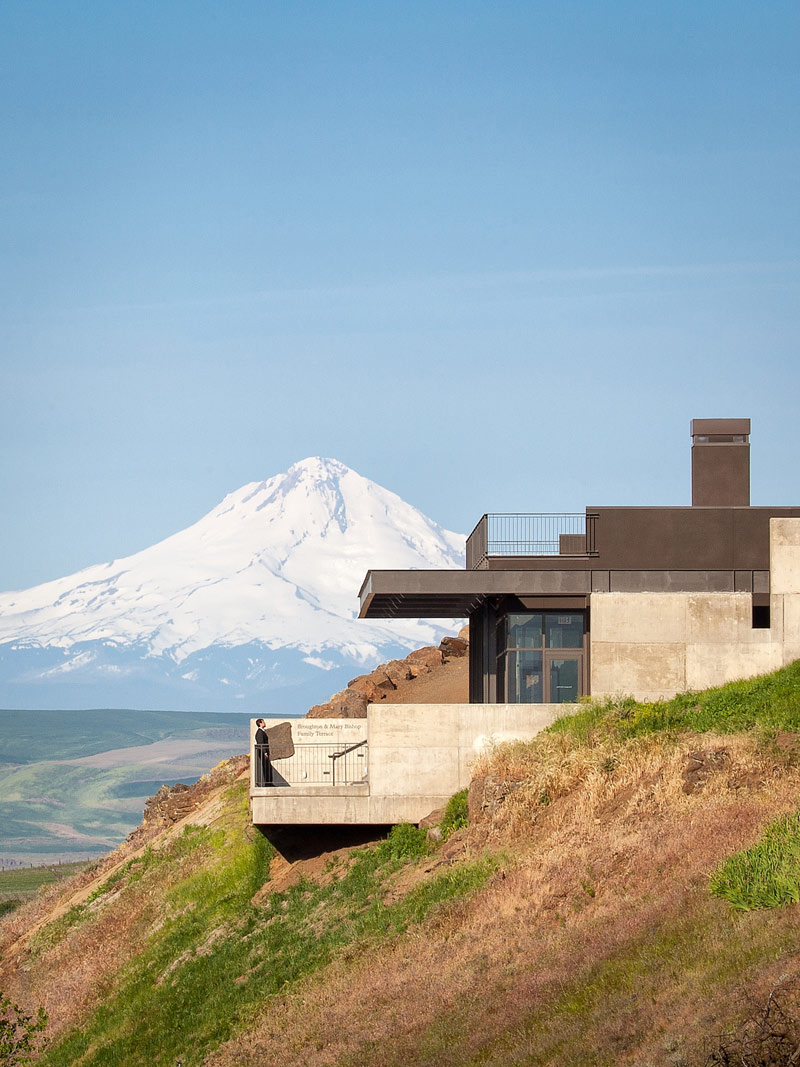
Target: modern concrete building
(643, 601)
(640, 600)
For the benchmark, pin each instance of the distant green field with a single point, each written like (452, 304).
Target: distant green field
(73, 783)
(26, 880)
(31, 736)
(18, 884)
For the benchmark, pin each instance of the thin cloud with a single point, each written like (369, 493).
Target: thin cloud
(451, 282)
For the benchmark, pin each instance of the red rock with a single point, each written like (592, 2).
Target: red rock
(396, 670)
(454, 647)
(320, 711)
(348, 704)
(427, 657)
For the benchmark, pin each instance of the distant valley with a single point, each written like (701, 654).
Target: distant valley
(73, 783)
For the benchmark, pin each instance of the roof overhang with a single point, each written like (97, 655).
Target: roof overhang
(455, 594)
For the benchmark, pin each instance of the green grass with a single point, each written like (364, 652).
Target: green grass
(55, 932)
(456, 815)
(766, 875)
(768, 703)
(205, 972)
(26, 880)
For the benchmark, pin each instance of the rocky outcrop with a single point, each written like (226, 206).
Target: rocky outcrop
(174, 802)
(351, 703)
(455, 647)
(700, 766)
(486, 794)
(170, 804)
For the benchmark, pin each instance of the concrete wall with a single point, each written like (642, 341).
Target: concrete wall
(653, 645)
(418, 756)
(429, 749)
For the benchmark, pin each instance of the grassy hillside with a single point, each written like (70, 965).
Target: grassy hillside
(622, 894)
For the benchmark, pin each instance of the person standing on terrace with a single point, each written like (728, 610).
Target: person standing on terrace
(263, 776)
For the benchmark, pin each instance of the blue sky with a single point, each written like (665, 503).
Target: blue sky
(494, 256)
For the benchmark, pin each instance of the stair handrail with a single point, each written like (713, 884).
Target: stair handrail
(334, 756)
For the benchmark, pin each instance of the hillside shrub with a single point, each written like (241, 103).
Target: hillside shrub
(21, 1034)
(455, 815)
(766, 875)
(404, 842)
(769, 1037)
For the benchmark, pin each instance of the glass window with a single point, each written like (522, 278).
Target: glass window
(564, 680)
(524, 631)
(563, 631)
(530, 667)
(524, 681)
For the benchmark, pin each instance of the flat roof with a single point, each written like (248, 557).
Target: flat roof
(429, 594)
(719, 426)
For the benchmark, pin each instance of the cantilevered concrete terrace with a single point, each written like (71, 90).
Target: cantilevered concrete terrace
(397, 765)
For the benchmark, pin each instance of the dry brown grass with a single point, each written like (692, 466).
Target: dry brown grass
(596, 944)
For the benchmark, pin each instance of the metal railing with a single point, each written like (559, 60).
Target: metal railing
(531, 535)
(346, 770)
(314, 764)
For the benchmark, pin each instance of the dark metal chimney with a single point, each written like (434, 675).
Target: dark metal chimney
(720, 463)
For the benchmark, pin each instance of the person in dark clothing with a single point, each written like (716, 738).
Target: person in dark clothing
(263, 764)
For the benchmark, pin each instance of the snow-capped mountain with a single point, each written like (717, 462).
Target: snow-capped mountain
(247, 607)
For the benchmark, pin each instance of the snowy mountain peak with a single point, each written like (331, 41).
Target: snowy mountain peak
(320, 467)
(277, 564)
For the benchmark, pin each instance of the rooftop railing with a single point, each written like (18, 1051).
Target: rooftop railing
(531, 535)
